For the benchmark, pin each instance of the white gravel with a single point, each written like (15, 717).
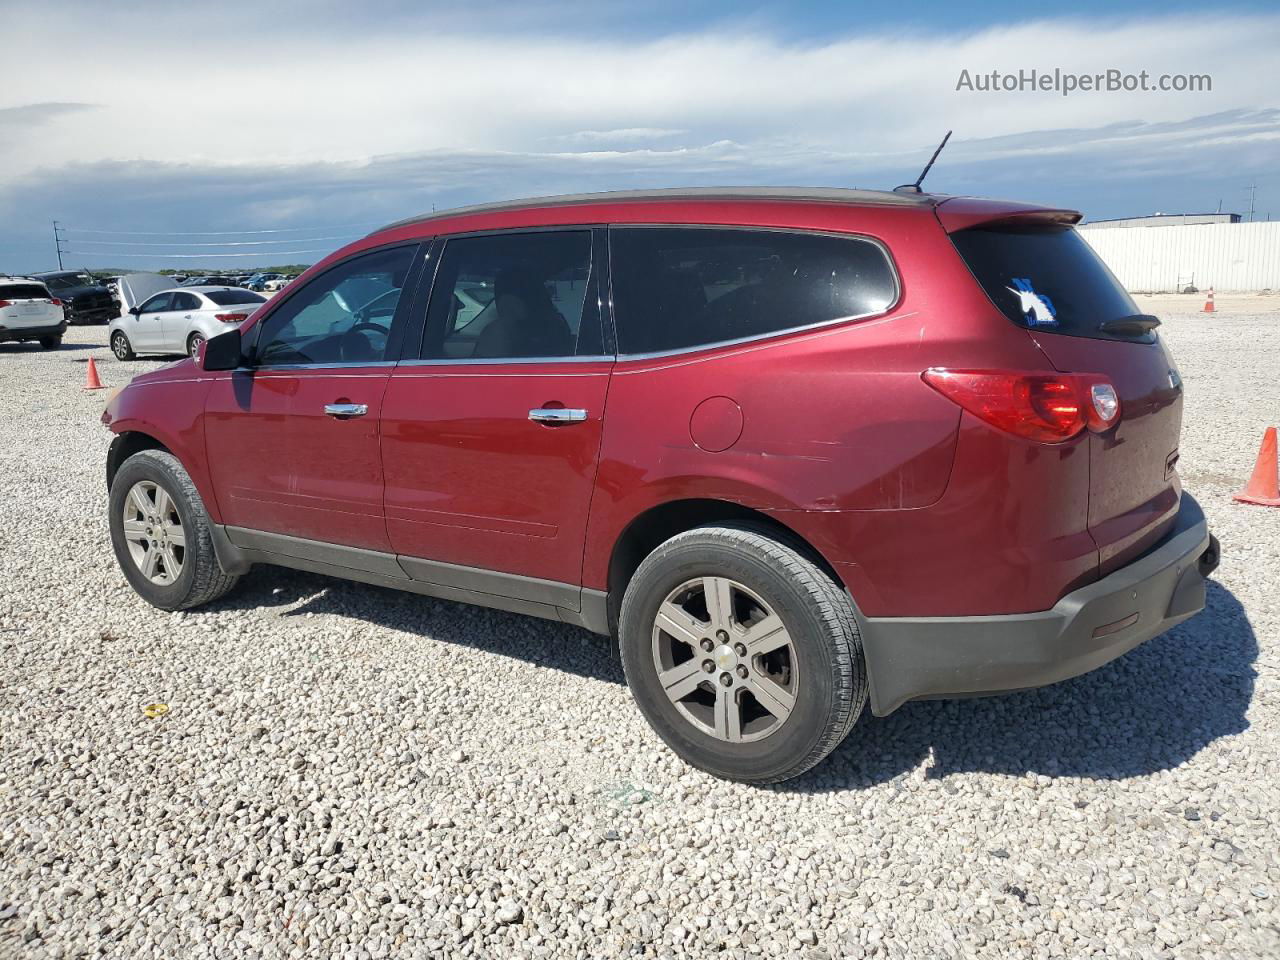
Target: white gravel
(353, 773)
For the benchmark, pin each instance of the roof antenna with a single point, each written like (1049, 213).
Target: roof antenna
(915, 187)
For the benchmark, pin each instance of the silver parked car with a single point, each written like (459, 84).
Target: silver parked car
(178, 321)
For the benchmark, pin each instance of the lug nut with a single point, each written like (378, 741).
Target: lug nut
(706, 644)
(722, 636)
(726, 680)
(740, 649)
(742, 671)
(708, 666)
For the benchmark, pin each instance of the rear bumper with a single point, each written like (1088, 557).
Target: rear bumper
(932, 657)
(33, 333)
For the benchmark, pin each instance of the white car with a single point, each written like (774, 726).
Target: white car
(28, 311)
(179, 320)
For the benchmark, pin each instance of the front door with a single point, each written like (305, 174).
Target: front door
(293, 437)
(144, 327)
(491, 437)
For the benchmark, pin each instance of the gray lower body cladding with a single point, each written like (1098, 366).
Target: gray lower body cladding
(937, 657)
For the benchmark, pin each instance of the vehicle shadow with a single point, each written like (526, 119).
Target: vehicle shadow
(1150, 710)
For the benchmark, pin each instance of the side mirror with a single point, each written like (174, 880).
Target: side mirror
(136, 311)
(222, 352)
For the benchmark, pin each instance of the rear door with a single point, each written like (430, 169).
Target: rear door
(491, 435)
(1046, 279)
(177, 322)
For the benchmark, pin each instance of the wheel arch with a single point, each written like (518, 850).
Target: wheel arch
(125, 445)
(659, 523)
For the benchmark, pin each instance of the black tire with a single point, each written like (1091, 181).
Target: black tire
(50, 343)
(202, 578)
(818, 615)
(121, 347)
(193, 344)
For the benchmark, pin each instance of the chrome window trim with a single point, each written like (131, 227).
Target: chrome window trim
(313, 366)
(679, 351)
(492, 362)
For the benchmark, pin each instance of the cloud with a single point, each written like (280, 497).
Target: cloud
(398, 112)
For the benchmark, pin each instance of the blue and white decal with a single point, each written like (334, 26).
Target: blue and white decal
(1037, 308)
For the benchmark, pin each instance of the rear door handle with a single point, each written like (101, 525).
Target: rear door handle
(344, 411)
(556, 415)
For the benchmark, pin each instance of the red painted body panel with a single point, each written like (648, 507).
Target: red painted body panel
(472, 480)
(280, 464)
(922, 510)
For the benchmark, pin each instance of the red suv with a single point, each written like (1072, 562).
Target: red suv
(793, 449)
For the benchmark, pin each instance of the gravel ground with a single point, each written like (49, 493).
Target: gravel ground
(349, 772)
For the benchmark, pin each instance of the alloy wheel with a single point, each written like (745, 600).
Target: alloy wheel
(120, 346)
(153, 532)
(725, 660)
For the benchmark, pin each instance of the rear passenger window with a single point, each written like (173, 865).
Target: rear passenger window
(680, 287)
(513, 296)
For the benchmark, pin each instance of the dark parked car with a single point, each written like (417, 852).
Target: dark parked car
(794, 450)
(84, 299)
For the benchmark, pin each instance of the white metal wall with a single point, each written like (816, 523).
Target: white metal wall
(1230, 257)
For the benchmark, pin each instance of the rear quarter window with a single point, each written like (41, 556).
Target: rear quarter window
(683, 287)
(1044, 278)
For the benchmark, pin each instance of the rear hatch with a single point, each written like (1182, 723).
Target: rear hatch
(27, 305)
(1047, 280)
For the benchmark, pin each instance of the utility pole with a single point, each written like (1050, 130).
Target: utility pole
(57, 242)
(1253, 189)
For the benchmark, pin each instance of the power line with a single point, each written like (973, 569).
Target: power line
(224, 243)
(218, 233)
(195, 256)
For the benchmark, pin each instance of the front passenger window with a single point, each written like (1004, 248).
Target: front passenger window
(342, 316)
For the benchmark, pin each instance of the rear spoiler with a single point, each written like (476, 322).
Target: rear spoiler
(961, 213)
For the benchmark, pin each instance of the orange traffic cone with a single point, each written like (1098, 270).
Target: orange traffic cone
(1263, 487)
(91, 381)
(1208, 304)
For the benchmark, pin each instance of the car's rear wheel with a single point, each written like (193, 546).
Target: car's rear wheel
(193, 344)
(121, 347)
(161, 533)
(50, 343)
(742, 653)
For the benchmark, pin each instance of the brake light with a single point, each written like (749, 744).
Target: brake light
(1046, 407)
(55, 301)
(231, 317)
(5, 303)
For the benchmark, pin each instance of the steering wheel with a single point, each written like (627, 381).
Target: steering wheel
(350, 343)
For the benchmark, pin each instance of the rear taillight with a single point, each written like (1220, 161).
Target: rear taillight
(1046, 407)
(5, 303)
(55, 301)
(231, 317)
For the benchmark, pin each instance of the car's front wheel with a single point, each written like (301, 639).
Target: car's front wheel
(742, 653)
(121, 347)
(161, 533)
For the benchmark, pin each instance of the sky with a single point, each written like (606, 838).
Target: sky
(276, 132)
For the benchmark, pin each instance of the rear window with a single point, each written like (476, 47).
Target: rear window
(23, 291)
(681, 287)
(227, 298)
(1045, 278)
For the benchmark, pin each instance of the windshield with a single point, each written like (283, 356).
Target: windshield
(68, 280)
(225, 298)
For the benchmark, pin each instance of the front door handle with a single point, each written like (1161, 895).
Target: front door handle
(345, 411)
(556, 415)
